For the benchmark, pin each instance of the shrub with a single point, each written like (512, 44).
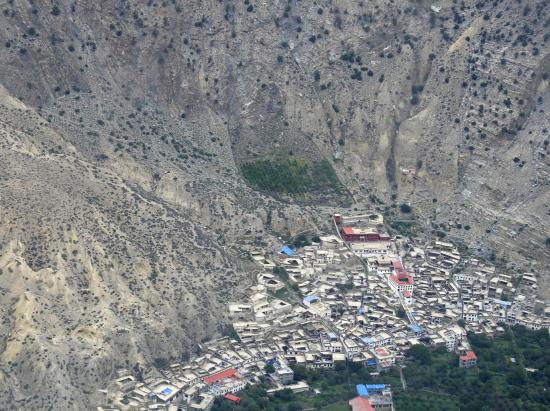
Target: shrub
(229, 331)
(405, 208)
(301, 241)
(291, 176)
(281, 272)
(160, 362)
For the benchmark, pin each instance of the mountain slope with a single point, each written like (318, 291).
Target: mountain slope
(125, 126)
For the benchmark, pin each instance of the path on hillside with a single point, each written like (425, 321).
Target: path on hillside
(403, 382)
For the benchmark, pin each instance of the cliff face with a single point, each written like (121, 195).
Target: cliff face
(124, 124)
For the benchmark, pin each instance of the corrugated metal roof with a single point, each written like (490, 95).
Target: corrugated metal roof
(375, 387)
(287, 250)
(310, 298)
(362, 390)
(220, 376)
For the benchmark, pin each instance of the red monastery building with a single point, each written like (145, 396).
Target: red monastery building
(365, 234)
(401, 280)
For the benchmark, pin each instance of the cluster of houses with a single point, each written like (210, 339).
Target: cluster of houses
(224, 368)
(449, 288)
(357, 296)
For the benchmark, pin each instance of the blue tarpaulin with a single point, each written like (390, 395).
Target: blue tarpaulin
(287, 250)
(166, 391)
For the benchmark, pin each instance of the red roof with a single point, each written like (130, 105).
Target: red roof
(470, 355)
(232, 398)
(406, 293)
(402, 278)
(220, 376)
(360, 404)
(347, 230)
(381, 351)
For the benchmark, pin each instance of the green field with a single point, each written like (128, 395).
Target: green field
(292, 176)
(434, 381)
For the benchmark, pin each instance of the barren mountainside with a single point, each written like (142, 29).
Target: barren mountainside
(136, 137)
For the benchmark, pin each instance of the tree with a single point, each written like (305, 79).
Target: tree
(269, 368)
(285, 395)
(301, 241)
(160, 362)
(516, 376)
(300, 372)
(294, 406)
(405, 208)
(340, 366)
(228, 331)
(281, 272)
(420, 353)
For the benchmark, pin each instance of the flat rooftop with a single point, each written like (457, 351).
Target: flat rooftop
(360, 230)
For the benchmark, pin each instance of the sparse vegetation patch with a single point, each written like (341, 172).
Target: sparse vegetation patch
(292, 176)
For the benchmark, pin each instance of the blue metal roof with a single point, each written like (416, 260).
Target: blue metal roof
(166, 391)
(371, 361)
(376, 387)
(362, 390)
(416, 328)
(310, 298)
(502, 302)
(287, 250)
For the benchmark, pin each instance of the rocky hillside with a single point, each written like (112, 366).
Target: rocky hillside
(126, 127)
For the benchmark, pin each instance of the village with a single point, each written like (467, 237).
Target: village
(358, 295)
